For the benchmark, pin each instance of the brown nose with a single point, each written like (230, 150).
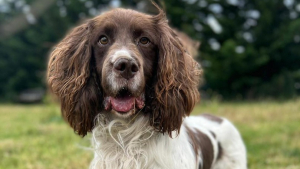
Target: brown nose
(126, 68)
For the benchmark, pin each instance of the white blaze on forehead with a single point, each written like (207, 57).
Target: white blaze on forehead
(123, 53)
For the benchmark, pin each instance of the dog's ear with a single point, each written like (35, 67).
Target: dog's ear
(71, 78)
(176, 88)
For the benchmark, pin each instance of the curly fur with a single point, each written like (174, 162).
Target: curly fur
(177, 80)
(70, 78)
(118, 143)
(156, 96)
(134, 144)
(171, 96)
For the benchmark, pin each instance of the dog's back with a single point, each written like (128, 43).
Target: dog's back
(218, 136)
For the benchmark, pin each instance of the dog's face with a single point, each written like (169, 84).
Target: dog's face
(120, 63)
(125, 50)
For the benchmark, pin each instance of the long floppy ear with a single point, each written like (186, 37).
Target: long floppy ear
(176, 88)
(71, 78)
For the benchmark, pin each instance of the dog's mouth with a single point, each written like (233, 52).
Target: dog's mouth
(124, 102)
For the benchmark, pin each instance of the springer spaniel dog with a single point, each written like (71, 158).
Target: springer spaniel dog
(126, 77)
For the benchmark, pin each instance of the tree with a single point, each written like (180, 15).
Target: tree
(249, 47)
(24, 52)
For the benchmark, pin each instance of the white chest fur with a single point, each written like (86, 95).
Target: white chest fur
(119, 145)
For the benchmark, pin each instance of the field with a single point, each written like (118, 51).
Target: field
(36, 137)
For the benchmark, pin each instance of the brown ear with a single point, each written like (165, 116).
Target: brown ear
(176, 88)
(70, 71)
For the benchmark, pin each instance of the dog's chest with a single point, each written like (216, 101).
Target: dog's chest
(155, 152)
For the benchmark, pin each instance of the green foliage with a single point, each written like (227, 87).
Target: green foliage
(262, 65)
(23, 56)
(255, 55)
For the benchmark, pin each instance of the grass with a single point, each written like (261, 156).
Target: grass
(36, 137)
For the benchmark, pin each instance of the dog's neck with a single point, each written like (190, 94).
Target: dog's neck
(121, 143)
(132, 144)
(122, 131)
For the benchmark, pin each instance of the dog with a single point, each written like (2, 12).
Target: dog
(127, 78)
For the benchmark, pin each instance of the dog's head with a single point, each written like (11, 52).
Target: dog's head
(120, 63)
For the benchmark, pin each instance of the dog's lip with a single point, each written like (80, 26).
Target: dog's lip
(124, 104)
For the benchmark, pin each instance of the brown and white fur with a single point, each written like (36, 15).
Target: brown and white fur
(126, 77)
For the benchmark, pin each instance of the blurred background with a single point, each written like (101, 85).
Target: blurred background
(250, 53)
(249, 48)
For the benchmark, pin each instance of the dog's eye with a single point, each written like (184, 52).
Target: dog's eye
(103, 40)
(144, 40)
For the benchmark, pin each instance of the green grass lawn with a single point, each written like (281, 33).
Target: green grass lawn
(36, 137)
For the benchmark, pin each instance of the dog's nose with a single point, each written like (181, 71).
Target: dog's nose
(127, 68)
